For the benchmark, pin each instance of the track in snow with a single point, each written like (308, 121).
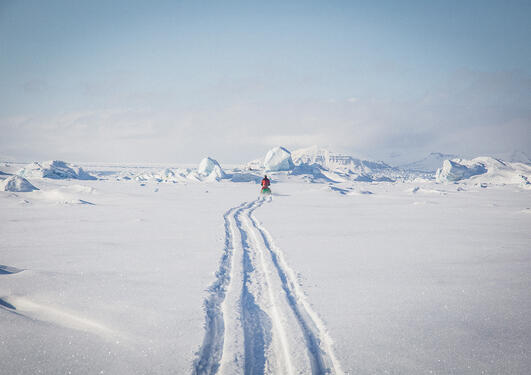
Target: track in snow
(257, 318)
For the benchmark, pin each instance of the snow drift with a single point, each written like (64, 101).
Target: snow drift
(484, 170)
(17, 184)
(278, 159)
(55, 169)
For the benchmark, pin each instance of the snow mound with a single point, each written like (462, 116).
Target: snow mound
(211, 169)
(55, 169)
(484, 170)
(16, 184)
(278, 159)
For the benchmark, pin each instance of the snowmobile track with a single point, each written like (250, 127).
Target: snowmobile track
(209, 355)
(319, 346)
(245, 322)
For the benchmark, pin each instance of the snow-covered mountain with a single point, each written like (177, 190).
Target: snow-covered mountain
(429, 164)
(515, 157)
(318, 164)
(336, 161)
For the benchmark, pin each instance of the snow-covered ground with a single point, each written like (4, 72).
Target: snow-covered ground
(159, 271)
(414, 279)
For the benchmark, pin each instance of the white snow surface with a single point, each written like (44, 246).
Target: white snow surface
(16, 184)
(484, 170)
(55, 169)
(278, 159)
(169, 275)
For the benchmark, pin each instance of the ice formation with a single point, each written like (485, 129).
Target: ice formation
(17, 184)
(55, 169)
(484, 170)
(278, 159)
(211, 169)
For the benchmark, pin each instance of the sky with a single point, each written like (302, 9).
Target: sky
(174, 81)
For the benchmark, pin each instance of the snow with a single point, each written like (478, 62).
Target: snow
(211, 169)
(413, 284)
(16, 184)
(278, 159)
(484, 170)
(117, 286)
(54, 169)
(167, 271)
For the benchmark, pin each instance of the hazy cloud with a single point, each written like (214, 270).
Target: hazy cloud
(473, 113)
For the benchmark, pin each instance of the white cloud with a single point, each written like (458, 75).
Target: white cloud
(473, 113)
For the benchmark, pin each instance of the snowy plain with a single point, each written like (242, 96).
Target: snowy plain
(408, 277)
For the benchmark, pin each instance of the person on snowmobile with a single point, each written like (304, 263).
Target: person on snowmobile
(265, 182)
(265, 186)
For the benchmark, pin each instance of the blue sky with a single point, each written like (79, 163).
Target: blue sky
(170, 81)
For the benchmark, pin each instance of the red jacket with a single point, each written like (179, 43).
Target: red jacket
(265, 182)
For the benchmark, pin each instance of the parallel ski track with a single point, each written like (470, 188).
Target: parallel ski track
(258, 327)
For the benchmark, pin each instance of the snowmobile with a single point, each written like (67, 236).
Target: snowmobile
(265, 194)
(265, 191)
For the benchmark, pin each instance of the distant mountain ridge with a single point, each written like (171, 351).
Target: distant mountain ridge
(516, 156)
(337, 161)
(430, 163)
